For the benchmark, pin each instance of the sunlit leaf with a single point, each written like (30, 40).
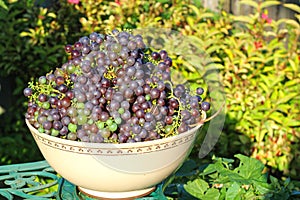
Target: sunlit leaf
(277, 117)
(249, 167)
(195, 9)
(197, 187)
(290, 22)
(245, 19)
(292, 122)
(3, 5)
(211, 194)
(53, 15)
(266, 4)
(249, 3)
(233, 191)
(292, 6)
(287, 98)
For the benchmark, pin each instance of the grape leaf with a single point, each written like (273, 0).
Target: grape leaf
(233, 192)
(211, 194)
(249, 168)
(196, 187)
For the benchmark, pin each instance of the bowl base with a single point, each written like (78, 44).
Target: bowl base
(129, 195)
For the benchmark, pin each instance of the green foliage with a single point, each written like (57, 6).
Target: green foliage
(221, 180)
(258, 59)
(37, 32)
(31, 43)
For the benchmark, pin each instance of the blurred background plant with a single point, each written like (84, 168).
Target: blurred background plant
(257, 58)
(32, 41)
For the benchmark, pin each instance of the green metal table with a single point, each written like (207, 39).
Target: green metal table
(38, 181)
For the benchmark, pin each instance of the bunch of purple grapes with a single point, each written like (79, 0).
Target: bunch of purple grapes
(113, 89)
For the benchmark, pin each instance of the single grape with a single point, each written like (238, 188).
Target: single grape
(27, 92)
(199, 91)
(42, 80)
(68, 48)
(205, 106)
(155, 55)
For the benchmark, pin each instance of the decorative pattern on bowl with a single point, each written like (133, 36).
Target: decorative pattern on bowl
(113, 151)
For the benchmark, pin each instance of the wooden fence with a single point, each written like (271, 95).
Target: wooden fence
(233, 6)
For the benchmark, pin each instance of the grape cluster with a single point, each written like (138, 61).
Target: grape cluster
(113, 89)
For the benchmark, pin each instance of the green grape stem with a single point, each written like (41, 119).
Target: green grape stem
(179, 117)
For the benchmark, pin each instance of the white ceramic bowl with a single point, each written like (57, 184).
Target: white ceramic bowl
(115, 171)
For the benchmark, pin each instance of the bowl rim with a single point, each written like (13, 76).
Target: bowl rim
(33, 130)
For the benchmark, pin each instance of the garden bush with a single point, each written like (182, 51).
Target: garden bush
(32, 41)
(257, 59)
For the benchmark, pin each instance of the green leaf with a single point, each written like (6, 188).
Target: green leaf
(195, 9)
(283, 108)
(294, 66)
(233, 192)
(213, 168)
(277, 117)
(287, 98)
(274, 181)
(245, 19)
(197, 187)
(262, 187)
(190, 21)
(249, 3)
(206, 15)
(53, 15)
(227, 175)
(292, 23)
(294, 82)
(3, 5)
(198, 3)
(249, 168)
(211, 194)
(292, 6)
(163, 1)
(291, 122)
(266, 4)
(264, 87)
(213, 48)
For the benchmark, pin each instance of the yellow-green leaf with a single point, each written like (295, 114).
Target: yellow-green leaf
(292, 122)
(195, 9)
(213, 49)
(298, 17)
(286, 98)
(3, 5)
(190, 21)
(266, 4)
(256, 59)
(284, 108)
(290, 22)
(53, 15)
(229, 54)
(292, 83)
(292, 6)
(206, 15)
(249, 3)
(277, 117)
(24, 34)
(246, 19)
